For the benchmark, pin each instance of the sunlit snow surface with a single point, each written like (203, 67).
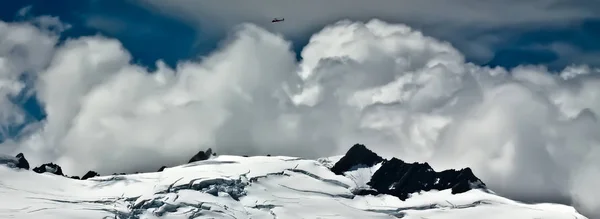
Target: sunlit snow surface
(242, 187)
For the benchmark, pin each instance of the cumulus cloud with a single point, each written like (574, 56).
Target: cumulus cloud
(45, 22)
(24, 11)
(528, 133)
(24, 49)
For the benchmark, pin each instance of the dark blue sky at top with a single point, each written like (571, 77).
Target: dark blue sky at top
(149, 36)
(517, 49)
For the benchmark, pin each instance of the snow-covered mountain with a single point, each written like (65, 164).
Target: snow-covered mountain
(359, 184)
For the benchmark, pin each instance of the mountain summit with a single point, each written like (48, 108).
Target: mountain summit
(400, 179)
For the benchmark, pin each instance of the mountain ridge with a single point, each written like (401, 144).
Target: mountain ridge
(239, 187)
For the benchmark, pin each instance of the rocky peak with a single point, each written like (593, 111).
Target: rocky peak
(398, 178)
(201, 155)
(89, 174)
(49, 168)
(22, 162)
(358, 156)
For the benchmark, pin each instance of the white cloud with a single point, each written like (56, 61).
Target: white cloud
(528, 133)
(24, 49)
(51, 23)
(47, 23)
(25, 11)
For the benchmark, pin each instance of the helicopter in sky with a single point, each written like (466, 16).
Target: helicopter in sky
(275, 20)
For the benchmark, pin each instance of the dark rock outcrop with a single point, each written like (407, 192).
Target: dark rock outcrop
(162, 168)
(400, 179)
(357, 156)
(397, 178)
(201, 155)
(22, 162)
(89, 174)
(49, 168)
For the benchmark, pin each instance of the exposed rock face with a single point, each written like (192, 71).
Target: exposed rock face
(19, 161)
(201, 155)
(400, 179)
(162, 168)
(49, 168)
(397, 178)
(89, 174)
(357, 156)
(22, 162)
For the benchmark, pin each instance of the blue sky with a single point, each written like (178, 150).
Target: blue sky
(517, 48)
(135, 27)
(150, 36)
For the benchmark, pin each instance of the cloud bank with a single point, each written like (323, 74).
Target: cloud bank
(304, 15)
(528, 133)
(476, 27)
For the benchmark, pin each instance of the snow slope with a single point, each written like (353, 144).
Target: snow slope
(242, 187)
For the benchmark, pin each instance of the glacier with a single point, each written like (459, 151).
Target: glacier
(240, 187)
